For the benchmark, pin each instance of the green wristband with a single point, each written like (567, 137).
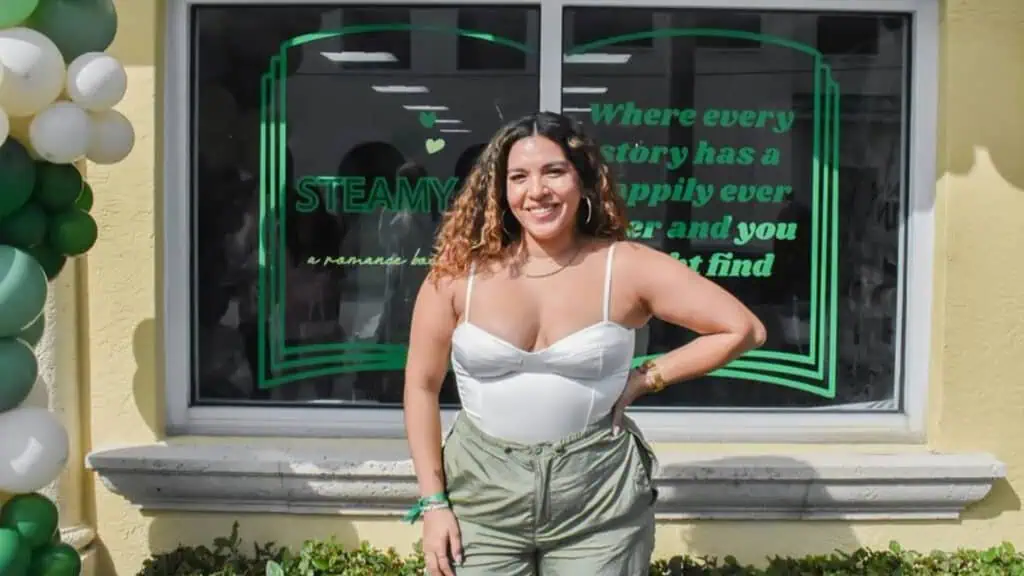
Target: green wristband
(434, 501)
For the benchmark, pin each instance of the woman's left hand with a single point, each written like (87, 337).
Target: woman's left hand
(636, 386)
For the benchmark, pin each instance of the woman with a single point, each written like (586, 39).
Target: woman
(536, 295)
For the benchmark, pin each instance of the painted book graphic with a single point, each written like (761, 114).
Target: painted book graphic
(810, 368)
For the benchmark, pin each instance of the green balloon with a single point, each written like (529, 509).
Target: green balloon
(72, 232)
(20, 371)
(14, 555)
(34, 333)
(14, 12)
(76, 26)
(22, 291)
(56, 560)
(26, 227)
(57, 185)
(55, 539)
(85, 199)
(17, 176)
(51, 260)
(33, 516)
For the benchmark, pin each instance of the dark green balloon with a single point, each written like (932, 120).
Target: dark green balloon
(51, 260)
(85, 199)
(72, 232)
(20, 371)
(56, 560)
(57, 185)
(34, 333)
(76, 26)
(26, 227)
(15, 556)
(17, 176)
(33, 516)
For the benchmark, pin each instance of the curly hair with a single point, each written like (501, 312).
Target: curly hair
(479, 226)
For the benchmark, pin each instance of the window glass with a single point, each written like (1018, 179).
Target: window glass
(765, 150)
(326, 141)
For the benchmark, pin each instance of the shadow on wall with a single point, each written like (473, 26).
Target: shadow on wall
(147, 387)
(1002, 498)
(732, 487)
(750, 486)
(973, 121)
(167, 531)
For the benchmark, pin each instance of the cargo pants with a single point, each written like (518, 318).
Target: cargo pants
(579, 506)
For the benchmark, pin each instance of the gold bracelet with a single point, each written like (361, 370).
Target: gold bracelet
(652, 376)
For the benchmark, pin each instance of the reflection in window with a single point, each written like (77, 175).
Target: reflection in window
(778, 178)
(848, 35)
(376, 138)
(382, 49)
(593, 25)
(728, 20)
(474, 54)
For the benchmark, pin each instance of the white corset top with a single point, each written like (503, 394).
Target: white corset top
(547, 394)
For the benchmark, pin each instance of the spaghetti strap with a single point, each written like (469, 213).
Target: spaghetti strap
(469, 290)
(607, 301)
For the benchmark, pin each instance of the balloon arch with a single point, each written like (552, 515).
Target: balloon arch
(57, 93)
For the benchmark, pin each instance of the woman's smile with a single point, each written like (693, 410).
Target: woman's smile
(545, 213)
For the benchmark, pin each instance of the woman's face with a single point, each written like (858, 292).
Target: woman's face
(542, 188)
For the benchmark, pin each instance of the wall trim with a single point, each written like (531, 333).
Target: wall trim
(826, 486)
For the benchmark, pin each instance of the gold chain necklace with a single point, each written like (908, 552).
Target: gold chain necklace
(560, 268)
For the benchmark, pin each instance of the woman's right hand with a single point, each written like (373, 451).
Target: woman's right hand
(442, 541)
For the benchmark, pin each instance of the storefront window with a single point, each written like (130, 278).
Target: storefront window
(772, 168)
(328, 142)
(765, 149)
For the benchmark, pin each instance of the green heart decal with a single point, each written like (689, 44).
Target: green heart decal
(434, 145)
(427, 119)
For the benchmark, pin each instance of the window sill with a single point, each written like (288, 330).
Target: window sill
(235, 478)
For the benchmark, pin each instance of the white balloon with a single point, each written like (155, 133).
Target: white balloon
(111, 137)
(96, 81)
(60, 133)
(5, 126)
(34, 449)
(33, 71)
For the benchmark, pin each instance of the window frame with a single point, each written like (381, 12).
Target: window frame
(754, 426)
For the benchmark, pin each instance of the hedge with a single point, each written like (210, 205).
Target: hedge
(228, 557)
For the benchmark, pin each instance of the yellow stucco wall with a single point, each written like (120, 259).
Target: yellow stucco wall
(978, 349)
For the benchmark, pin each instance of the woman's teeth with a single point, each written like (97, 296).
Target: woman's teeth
(542, 210)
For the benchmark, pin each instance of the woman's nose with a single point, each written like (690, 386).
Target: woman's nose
(536, 187)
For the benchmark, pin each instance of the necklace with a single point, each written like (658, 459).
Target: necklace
(560, 268)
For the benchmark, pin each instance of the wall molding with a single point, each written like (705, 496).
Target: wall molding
(850, 486)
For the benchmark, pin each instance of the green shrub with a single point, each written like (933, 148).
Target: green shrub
(328, 558)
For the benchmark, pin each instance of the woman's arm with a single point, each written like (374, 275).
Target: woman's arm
(430, 337)
(674, 293)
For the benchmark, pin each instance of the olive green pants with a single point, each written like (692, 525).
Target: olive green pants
(580, 506)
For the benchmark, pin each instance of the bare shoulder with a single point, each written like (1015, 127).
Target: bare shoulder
(644, 269)
(634, 257)
(434, 292)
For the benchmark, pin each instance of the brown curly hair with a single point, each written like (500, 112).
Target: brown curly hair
(479, 227)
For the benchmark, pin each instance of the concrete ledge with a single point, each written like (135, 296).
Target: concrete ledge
(234, 478)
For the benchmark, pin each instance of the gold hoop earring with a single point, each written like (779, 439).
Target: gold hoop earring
(590, 209)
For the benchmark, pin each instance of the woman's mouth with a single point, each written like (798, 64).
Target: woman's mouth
(544, 212)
